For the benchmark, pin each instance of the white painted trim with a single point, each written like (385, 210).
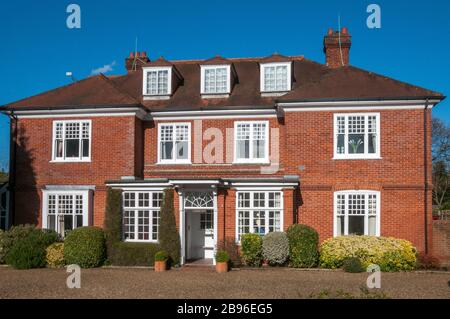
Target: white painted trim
(182, 227)
(174, 160)
(215, 117)
(245, 110)
(275, 64)
(194, 182)
(216, 219)
(203, 68)
(365, 192)
(146, 70)
(365, 155)
(137, 185)
(251, 160)
(266, 208)
(86, 204)
(419, 102)
(137, 208)
(81, 159)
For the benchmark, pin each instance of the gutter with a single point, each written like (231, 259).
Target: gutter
(12, 166)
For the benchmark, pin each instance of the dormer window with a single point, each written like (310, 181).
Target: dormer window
(215, 79)
(157, 81)
(276, 77)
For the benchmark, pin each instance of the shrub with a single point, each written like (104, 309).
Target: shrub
(161, 256)
(303, 243)
(251, 249)
(26, 253)
(169, 238)
(427, 262)
(353, 265)
(55, 255)
(390, 254)
(231, 248)
(275, 248)
(222, 256)
(133, 254)
(113, 217)
(85, 246)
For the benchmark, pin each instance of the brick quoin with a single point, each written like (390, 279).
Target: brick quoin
(127, 146)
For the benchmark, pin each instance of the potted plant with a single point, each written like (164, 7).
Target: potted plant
(161, 258)
(222, 260)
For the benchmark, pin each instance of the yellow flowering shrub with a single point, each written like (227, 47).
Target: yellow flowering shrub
(391, 254)
(55, 255)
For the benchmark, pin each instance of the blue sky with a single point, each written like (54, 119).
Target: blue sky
(37, 48)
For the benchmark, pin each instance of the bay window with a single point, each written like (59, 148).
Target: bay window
(141, 215)
(64, 210)
(357, 135)
(251, 142)
(357, 213)
(174, 145)
(71, 141)
(258, 212)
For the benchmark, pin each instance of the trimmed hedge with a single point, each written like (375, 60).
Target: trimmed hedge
(251, 249)
(55, 255)
(133, 254)
(275, 248)
(169, 237)
(352, 265)
(303, 243)
(391, 254)
(85, 247)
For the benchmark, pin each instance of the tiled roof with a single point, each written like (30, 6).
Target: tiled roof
(311, 80)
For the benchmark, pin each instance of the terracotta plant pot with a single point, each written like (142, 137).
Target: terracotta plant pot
(160, 266)
(221, 267)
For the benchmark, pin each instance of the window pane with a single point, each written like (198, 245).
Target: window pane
(274, 221)
(85, 147)
(356, 225)
(340, 226)
(79, 221)
(129, 200)
(372, 226)
(59, 148)
(182, 150)
(372, 143)
(143, 225)
(73, 148)
(157, 199)
(68, 223)
(128, 225)
(243, 223)
(259, 222)
(244, 200)
(340, 144)
(155, 227)
(144, 199)
(51, 222)
(243, 150)
(166, 150)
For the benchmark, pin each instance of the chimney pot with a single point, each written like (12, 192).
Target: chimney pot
(330, 31)
(143, 54)
(131, 54)
(344, 30)
(136, 60)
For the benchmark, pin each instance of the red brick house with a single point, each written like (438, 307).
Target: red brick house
(249, 145)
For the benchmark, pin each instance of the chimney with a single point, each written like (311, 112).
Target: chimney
(135, 61)
(337, 55)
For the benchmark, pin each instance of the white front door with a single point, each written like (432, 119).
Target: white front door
(200, 234)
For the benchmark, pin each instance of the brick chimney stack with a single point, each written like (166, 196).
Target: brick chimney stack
(136, 61)
(335, 55)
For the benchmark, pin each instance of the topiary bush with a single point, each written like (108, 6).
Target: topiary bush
(251, 249)
(26, 253)
(303, 243)
(55, 255)
(133, 254)
(352, 265)
(113, 218)
(389, 253)
(275, 248)
(85, 246)
(169, 237)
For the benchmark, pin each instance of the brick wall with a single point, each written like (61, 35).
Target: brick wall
(441, 241)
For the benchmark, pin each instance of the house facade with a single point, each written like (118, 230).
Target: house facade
(251, 145)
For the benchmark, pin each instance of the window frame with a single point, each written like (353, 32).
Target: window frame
(275, 64)
(136, 210)
(251, 159)
(146, 70)
(252, 208)
(174, 160)
(63, 159)
(203, 69)
(366, 154)
(45, 209)
(366, 213)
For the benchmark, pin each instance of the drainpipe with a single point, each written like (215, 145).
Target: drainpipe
(12, 167)
(425, 164)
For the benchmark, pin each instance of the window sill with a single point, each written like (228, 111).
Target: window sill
(157, 97)
(140, 241)
(264, 162)
(175, 163)
(358, 158)
(71, 161)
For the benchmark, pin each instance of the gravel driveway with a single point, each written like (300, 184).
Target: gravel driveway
(205, 283)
